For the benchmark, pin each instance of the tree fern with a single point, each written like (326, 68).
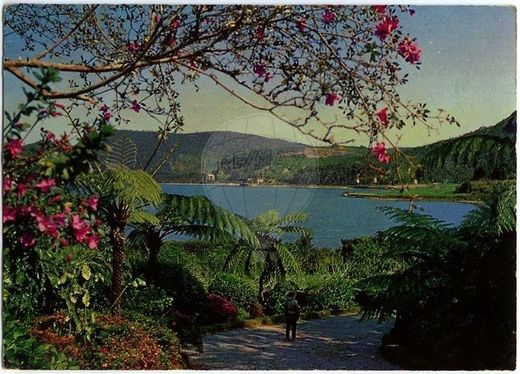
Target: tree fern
(491, 151)
(497, 215)
(121, 154)
(423, 245)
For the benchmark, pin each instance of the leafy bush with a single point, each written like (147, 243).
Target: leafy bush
(220, 309)
(149, 300)
(23, 351)
(368, 259)
(477, 187)
(187, 291)
(187, 328)
(239, 290)
(119, 344)
(274, 297)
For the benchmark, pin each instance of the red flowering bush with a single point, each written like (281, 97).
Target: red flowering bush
(52, 239)
(220, 309)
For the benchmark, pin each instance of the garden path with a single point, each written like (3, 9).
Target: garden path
(335, 343)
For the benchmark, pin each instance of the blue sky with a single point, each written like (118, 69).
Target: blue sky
(468, 68)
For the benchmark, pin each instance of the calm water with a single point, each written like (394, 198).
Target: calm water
(332, 217)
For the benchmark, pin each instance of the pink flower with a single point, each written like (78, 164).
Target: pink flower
(175, 23)
(301, 24)
(80, 228)
(46, 225)
(45, 185)
(7, 183)
(24, 211)
(409, 50)
(156, 18)
(59, 219)
(386, 27)
(136, 107)
(267, 77)
(260, 70)
(328, 17)
(104, 108)
(21, 189)
(55, 199)
(331, 98)
(58, 105)
(14, 147)
(92, 202)
(383, 116)
(380, 152)
(169, 41)
(107, 116)
(56, 114)
(50, 136)
(260, 34)
(27, 240)
(132, 47)
(92, 241)
(8, 214)
(379, 9)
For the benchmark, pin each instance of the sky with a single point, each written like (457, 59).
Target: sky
(468, 68)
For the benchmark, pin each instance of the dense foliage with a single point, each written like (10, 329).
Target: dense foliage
(453, 296)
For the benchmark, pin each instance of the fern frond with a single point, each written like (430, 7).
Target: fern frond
(121, 154)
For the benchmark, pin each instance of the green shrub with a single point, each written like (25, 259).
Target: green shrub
(274, 297)
(187, 291)
(174, 254)
(239, 290)
(367, 259)
(149, 300)
(23, 351)
(477, 187)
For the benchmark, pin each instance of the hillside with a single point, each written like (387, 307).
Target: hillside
(232, 157)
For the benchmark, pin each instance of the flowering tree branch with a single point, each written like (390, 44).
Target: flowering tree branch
(304, 57)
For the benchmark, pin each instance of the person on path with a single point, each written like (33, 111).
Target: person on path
(292, 313)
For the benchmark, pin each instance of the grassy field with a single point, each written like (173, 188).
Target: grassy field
(441, 191)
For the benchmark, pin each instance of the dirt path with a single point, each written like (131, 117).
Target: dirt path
(340, 342)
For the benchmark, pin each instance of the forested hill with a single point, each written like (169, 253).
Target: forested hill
(337, 165)
(194, 144)
(506, 128)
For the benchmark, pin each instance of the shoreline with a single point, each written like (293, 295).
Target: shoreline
(450, 199)
(347, 194)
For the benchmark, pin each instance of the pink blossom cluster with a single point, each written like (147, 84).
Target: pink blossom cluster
(105, 112)
(328, 17)
(262, 72)
(380, 151)
(382, 115)
(410, 51)
(387, 25)
(331, 98)
(57, 226)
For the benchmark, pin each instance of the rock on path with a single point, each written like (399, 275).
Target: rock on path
(340, 343)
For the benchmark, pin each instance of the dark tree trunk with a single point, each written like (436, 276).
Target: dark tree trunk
(117, 238)
(154, 243)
